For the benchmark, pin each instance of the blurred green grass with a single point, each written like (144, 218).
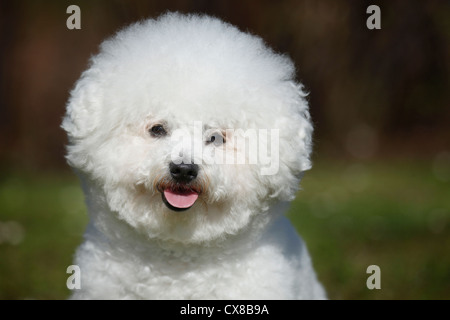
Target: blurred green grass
(49, 208)
(394, 214)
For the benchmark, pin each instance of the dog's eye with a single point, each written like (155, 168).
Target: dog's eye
(158, 130)
(216, 138)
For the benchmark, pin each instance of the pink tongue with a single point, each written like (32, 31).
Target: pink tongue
(180, 200)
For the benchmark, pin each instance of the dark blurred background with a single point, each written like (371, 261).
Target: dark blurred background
(378, 99)
(389, 85)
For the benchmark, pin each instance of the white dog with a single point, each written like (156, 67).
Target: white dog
(190, 138)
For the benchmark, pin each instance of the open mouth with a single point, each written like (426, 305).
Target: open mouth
(179, 200)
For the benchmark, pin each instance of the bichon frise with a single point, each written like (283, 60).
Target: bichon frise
(190, 138)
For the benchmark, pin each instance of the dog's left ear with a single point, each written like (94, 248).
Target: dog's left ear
(302, 127)
(295, 144)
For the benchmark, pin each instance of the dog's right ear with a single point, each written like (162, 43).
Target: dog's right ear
(82, 117)
(83, 107)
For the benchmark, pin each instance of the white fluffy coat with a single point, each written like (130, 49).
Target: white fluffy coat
(234, 242)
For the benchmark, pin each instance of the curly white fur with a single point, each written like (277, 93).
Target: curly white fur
(233, 243)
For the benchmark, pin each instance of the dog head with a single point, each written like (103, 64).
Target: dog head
(188, 128)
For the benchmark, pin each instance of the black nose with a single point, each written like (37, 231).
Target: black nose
(183, 172)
